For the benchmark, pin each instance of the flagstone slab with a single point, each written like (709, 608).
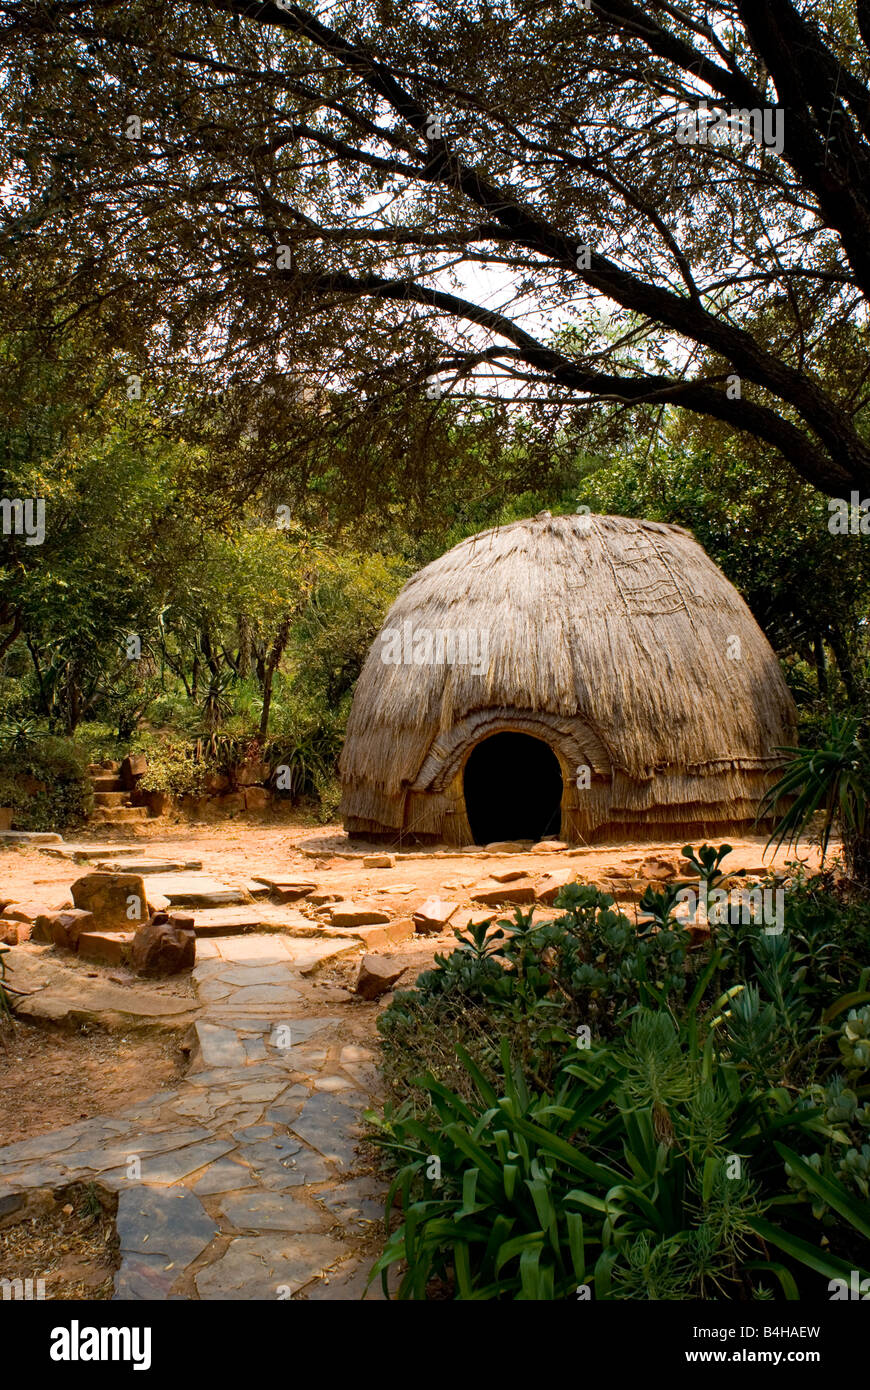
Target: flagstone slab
(260, 947)
(271, 1211)
(169, 1168)
(256, 1049)
(145, 1278)
(273, 1266)
(219, 1047)
(173, 1224)
(196, 890)
(248, 975)
(211, 990)
(358, 1202)
(223, 1176)
(226, 921)
(326, 1123)
(147, 866)
(30, 837)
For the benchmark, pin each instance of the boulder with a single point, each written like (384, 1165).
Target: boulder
(23, 912)
(8, 933)
(378, 861)
(110, 947)
(355, 915)
(433, 916)
(257, 799)
(519, 892)
(508, 846)
(63, 928)
(292, 891)
(552, 884)
(248, 774)
(232, 802)
(162, 947)
(549, 847)
(132, 769)
(117, 901)
(377, 974)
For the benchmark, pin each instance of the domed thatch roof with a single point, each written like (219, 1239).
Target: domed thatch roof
(617, 642)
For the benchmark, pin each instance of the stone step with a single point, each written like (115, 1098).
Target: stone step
(118, 815)
(225, 921)
(107, 782)
(145, 866)
(30, 837)
(83, 854)
(111, 799)
(196, 890)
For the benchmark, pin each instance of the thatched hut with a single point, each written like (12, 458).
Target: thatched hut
(590, 677)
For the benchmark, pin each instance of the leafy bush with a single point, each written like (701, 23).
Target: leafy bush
(173, 766)
(646, 1172)
(622, 1110)
(45, 781)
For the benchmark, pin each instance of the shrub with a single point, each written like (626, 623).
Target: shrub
(579, 1103)
(45, 781)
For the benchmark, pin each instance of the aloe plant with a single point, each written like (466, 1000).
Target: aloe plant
(834, 780)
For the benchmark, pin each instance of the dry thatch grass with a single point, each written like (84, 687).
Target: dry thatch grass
(617, 641)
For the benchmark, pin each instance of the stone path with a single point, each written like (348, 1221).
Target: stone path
(243, 1182)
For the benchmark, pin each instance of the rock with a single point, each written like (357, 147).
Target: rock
(521, 891)
(161, 947)
(110, 947)
(132, 769)
(378, 861)
(23, 912)
(117, 901)
(549, 847)
(377, 974)
(291, 892)
(552, 884)
(508, 846)
(257, 799)
(321, 898)
(8, 933)
(352, 915)
(658, 868)
(434, 915)
(6, 814)
(508, 875)
(183, 921)
(216, 782)
(249, 774)
(63, 929)
(232, 802)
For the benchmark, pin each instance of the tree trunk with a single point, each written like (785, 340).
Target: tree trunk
(275, 655)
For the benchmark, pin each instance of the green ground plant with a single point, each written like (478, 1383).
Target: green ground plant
(581, 1110)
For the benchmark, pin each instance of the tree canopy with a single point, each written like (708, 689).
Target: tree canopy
(390, 198)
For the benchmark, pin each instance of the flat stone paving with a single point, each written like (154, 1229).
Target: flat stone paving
(243, 1182)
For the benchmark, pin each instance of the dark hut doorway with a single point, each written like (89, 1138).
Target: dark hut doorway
(513, 789)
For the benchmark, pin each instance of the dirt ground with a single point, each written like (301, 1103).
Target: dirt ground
(65, 1243)
(49, 1078)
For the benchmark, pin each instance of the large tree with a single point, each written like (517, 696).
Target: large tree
(491, 195)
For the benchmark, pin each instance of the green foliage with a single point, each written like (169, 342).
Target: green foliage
(173, 766)
(832, 779)
(45, 781)
(682, 1146)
